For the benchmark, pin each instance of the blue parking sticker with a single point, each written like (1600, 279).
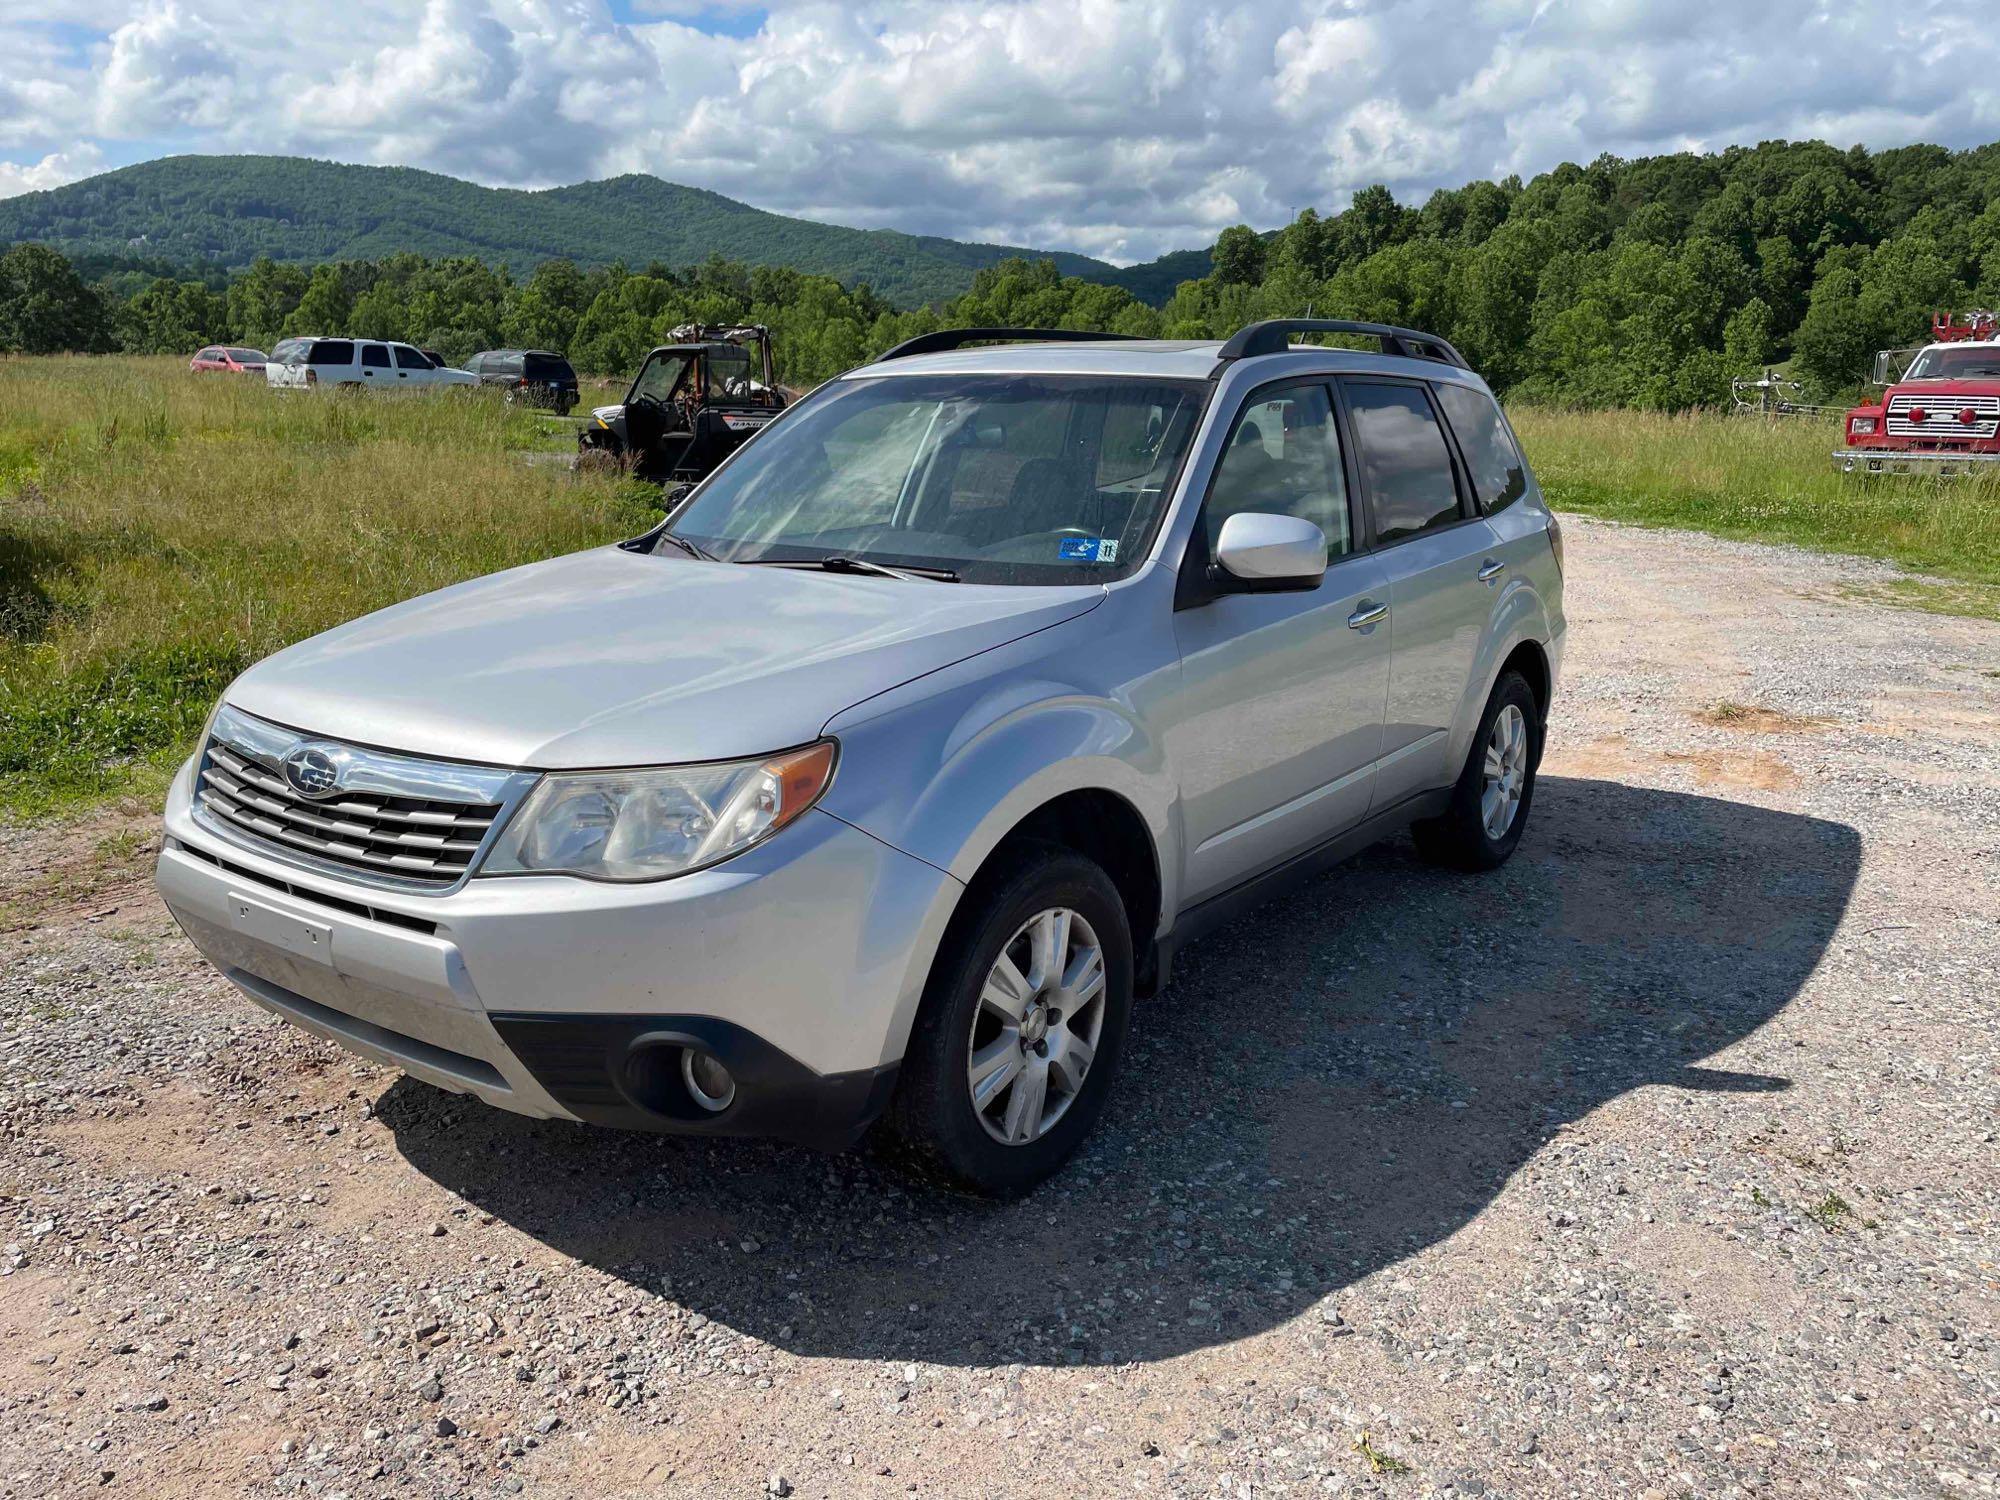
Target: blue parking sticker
(1088, 549)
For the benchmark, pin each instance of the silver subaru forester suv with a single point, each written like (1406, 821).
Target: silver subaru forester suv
(880, 778)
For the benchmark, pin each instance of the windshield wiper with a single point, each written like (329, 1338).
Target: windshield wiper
(840, 562)
(688, 547)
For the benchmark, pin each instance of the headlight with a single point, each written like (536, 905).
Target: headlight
(648, 825)
(1861, 426)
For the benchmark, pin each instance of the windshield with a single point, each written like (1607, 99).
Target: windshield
(729, 371)
(661, 379)
(998, 478)
(1956, 364)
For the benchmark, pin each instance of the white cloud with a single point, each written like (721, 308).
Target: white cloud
(1121, 127)
(51, 171)
(169, 70)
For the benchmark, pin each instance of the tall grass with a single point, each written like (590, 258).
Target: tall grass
(1766, 480)
(161, 530)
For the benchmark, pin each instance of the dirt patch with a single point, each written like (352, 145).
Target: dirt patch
(1754, 718)
(77, 869)
(1753, 769)
(1610, 757)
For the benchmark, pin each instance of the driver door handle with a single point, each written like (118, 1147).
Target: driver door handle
(1490, 570)
(1368, 614)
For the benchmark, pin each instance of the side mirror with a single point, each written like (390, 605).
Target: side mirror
(1261, 552)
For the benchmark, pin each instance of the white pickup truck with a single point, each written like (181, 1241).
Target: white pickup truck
(359, 364)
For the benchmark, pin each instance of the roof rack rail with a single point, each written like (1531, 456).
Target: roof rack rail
(1274, 336)
(958, 338)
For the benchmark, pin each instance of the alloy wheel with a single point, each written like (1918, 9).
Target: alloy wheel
(1505, 773)
(1036, 1029)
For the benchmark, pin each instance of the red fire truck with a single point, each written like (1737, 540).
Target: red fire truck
(1941, 414)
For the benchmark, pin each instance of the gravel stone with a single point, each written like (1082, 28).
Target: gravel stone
(1660, 1161)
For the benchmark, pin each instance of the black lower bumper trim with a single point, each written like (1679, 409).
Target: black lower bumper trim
(625, 1071)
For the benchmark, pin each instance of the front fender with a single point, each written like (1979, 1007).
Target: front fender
(604, 428)
(946, 766)
(949, 780)
(947, 776)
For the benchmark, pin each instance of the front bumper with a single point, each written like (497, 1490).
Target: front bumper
(798, 966)
(1910, 461)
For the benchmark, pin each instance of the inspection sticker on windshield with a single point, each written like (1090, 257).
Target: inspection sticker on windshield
(1088, 549)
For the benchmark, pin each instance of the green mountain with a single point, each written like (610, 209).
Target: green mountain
(228, 210)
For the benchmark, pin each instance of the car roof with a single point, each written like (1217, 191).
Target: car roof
(1171, 359)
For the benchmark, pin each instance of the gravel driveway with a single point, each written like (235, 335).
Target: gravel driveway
(1661, 1163)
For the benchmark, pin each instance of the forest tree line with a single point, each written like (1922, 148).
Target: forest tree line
(1644, 283)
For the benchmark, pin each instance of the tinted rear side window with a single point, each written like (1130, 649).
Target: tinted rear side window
(1499, 478)
(548, 367)
(331, 352)
(375, 356)
(1405, 462)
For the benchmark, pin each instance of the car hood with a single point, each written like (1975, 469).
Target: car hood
(617, 658)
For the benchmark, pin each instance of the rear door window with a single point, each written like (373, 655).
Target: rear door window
(331, 352)
(1499, 478)
(375, 356)
(1405, 462)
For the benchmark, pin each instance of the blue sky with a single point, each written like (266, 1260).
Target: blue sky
(1122, 128)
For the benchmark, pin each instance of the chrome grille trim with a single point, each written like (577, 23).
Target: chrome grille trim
(395, 820)
(1941, 416)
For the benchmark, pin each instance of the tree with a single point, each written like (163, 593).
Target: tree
(172, 317)
(1836, 342)
(323, 308)
(261, 298)
(45, 307)
(544, 310)
(1239, 256)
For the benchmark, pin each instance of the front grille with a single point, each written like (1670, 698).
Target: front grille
(429, 840)
(1942, 419)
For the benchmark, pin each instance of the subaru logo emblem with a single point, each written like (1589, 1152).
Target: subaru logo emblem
(311, 772)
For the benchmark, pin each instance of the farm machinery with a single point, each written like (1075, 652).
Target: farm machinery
(694, 402)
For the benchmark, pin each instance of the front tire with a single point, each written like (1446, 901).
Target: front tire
(1489, 805)
(1022, 1026)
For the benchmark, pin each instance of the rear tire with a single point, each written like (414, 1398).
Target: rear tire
(1489, 805)
(1022, 1026)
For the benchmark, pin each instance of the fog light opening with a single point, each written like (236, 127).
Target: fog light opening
(709, 1084)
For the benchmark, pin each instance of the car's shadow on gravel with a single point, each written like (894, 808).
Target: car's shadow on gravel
(1334, 1082)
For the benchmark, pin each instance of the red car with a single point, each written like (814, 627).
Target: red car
(235, 361)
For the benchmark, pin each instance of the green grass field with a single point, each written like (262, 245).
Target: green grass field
(159, 531)
(1771, 481)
